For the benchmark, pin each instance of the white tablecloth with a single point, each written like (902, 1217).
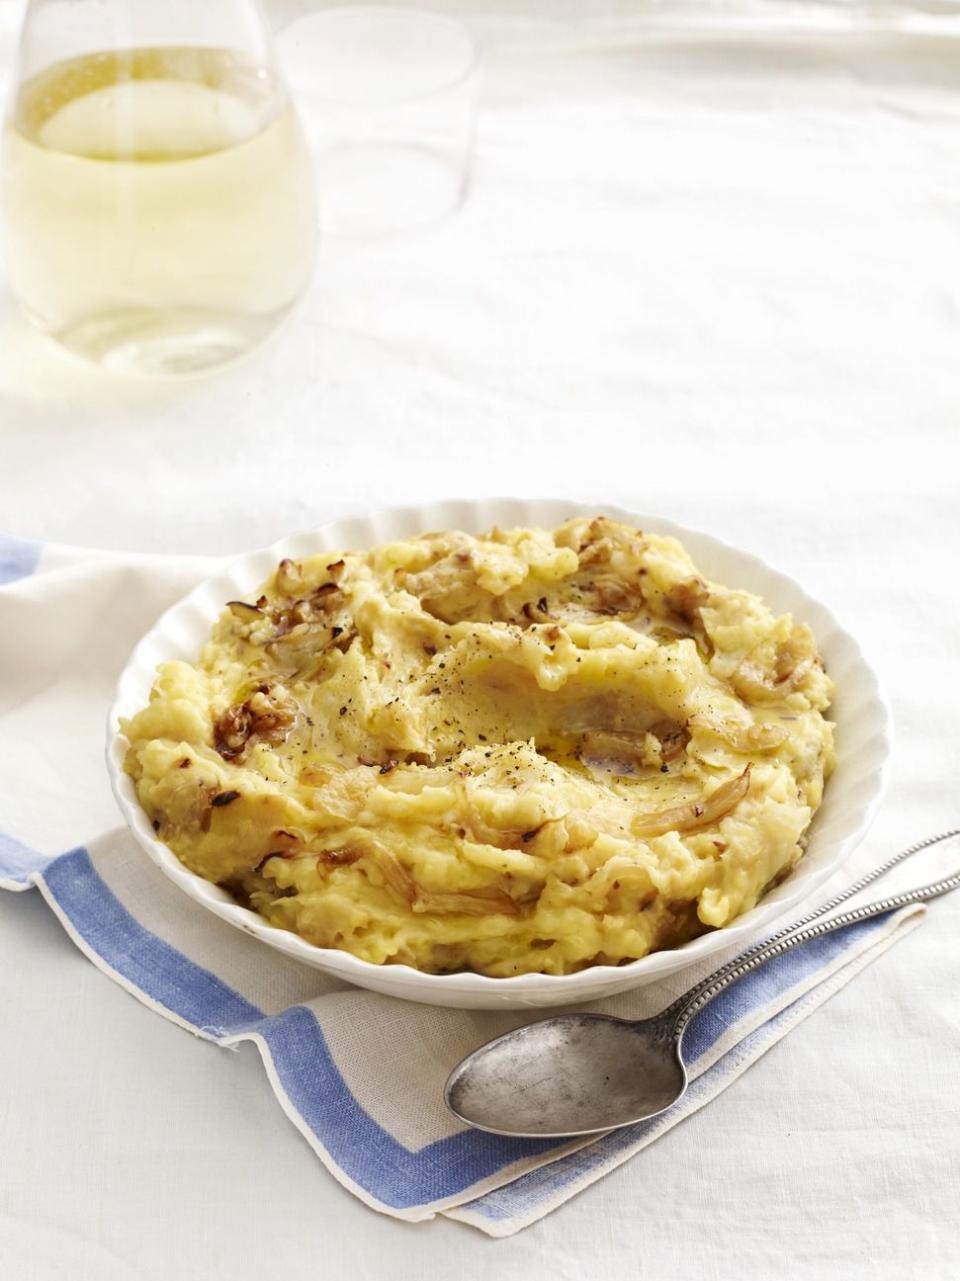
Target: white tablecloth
(718, 278)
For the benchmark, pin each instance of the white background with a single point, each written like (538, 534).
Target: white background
(715, 278)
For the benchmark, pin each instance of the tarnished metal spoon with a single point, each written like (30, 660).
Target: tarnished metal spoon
(587, 1073)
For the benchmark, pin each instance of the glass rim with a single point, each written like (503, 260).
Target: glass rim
(431, 16)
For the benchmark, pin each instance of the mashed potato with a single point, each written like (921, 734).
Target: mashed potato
(528, 751)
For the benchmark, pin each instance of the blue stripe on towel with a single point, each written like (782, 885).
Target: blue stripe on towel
(18, 558)
(157, 969)
(17, 860)
(766, 983)
(366, 1152)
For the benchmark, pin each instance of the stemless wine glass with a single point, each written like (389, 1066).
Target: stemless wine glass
(158, 200)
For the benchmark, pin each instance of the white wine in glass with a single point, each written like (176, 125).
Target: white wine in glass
(158, 199)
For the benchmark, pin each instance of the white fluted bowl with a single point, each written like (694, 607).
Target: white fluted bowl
(863, 740)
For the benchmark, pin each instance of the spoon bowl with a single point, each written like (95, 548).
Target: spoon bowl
(575, 1074)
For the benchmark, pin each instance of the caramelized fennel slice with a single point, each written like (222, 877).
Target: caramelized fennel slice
(607, 752)
(693, 814)
(762, 736)
(483, 902)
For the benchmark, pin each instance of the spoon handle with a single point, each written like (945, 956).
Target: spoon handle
(732, 973)
(680, 1004)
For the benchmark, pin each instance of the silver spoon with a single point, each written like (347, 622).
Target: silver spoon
(586, 1073)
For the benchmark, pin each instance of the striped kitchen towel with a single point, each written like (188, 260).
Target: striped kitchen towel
(68, 620)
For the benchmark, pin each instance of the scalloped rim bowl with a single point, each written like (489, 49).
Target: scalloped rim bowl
(852, 796)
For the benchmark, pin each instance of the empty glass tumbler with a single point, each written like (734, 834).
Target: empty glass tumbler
(390, 102)
(158, 202)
